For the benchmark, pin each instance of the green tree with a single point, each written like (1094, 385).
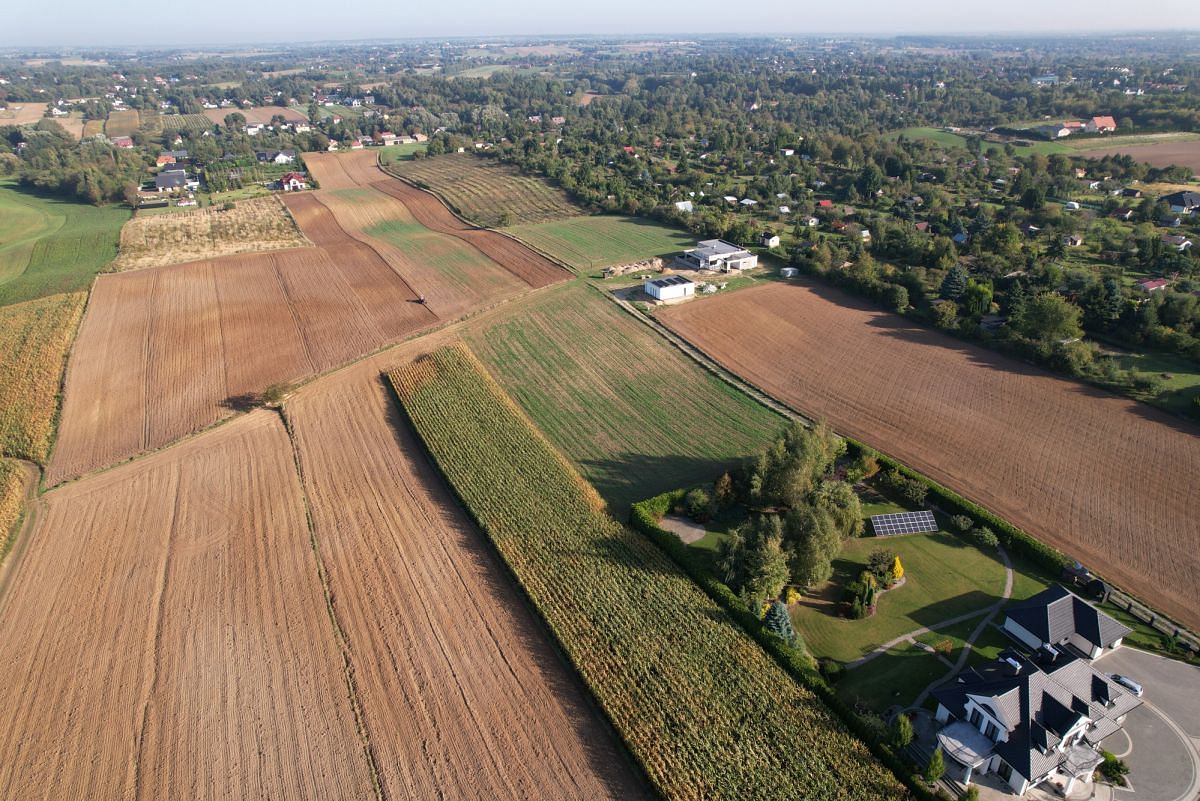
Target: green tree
(1049, 317)
(779, 623)
(896, 297)
(977, 299)
(936, 767)
(870, 180)
(954, 284)
(945, 315)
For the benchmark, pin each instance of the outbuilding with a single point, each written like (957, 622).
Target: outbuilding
(670, 287)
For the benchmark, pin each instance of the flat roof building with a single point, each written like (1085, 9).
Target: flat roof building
(670, 287)
(719, 256)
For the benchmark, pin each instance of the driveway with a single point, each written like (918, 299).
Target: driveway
(1161, 738)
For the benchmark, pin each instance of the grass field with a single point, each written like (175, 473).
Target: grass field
(485, 191)
(122, 123)
(699, 704)
(633, 414)
(1070, 145)
(74, 242)
(394, 153)
(589, 243)
(946, 577)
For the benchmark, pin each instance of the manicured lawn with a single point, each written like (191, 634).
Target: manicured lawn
(589, 243)
(635, 415)
(946, 577)
(1178, 390)
(896, 678)
(944, 138)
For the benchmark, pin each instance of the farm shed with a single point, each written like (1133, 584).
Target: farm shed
(671, 287)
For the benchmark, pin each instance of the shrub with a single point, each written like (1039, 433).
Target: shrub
(962, 523)
(276, 393)
(944, 647)
(984, 537)
(880, 563)
(972, 794)
(697, 505)
(1112, 768)
(915, 493)
(902, 731)
(936, 767)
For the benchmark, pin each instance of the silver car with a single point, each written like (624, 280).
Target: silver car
(1127, 683)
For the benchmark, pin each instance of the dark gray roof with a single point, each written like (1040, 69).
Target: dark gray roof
(671, 280)
(1185, 199)
(170, 180)
(1054, 614)
(1042, 700)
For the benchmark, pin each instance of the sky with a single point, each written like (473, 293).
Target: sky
(84, 23)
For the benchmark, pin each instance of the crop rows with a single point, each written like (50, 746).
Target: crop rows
(186, 122)
(487, 192)
(11, 490)
(705, 711)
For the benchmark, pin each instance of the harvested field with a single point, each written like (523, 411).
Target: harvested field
(1109, 481)
(167, 636)
(72, 124)
(92, 128)
(462, 695)
(154, 240)
(122, 123)
(453, 276)
(1162, 154)
(487, 192)
(700, 704)
(589, 243)
(34, 339)
(22, 113)
(200, 339)
(633, 414)
(261, 114)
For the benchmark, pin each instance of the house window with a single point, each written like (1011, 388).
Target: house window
(992, 732)
(1005, 771)
(976, 718)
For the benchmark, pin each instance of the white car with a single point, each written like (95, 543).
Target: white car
(1127, 683)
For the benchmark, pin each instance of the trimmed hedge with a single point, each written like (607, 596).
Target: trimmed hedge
(1012, 538)
(799, 664)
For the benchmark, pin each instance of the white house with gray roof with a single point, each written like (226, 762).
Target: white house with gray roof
(1058, 618)
(719, 256)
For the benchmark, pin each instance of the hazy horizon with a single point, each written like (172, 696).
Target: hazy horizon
(79, 24)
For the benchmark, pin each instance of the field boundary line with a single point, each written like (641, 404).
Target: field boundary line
(17, 539)
(360, 723)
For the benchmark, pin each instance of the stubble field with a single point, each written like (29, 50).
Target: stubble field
(166, 636)
(1162, 154)
(461, 693)
(123, 123)
(257, 114)
(1107, 480)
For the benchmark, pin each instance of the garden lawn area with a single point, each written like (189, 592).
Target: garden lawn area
(1177, 392)
(945, 577)
(897, 677)
(944, 138)
(590, 243)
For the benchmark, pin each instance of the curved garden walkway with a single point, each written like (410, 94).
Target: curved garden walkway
(987, 613)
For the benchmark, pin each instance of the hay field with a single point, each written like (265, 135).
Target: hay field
(589, 243)
(487, 192)
(258, 224)
(122, 123)
(261, 114)
(22, 113)
(633, 414)
(462, 695)
(167, 636)
(1110, 481)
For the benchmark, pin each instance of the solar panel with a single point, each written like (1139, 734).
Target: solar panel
(903, 523)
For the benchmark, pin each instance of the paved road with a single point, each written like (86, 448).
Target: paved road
(1162, 736)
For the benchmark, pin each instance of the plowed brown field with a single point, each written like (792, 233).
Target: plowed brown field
(166, 351)
(462, 695)
(1110, 481)
(166, 635)
(261, 114)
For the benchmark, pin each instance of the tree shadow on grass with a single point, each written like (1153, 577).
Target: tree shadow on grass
(626, 478)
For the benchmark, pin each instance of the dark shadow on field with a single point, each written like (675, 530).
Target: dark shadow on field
(497, 587)
(245, 402)
(906, 330)
(626, 478)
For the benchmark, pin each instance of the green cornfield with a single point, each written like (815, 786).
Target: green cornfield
(704, 710)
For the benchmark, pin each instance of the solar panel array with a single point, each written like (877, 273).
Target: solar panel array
(903, 523)
(672, 280)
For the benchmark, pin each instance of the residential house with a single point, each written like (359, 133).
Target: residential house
(1177, 241)
(785, 209)
(1183, 202)
(719, 256)
(748, 202)
(123, 142)
(1123, 214)
(1030, 719)
(922, 227)
(1131, 192)
(811, 222)
(175, 181)
(685, 206)
(292, 182)
(1058, 618)
(1101, 125)
(1153, 284)
(1073, 241)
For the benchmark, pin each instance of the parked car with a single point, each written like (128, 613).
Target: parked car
(1128, 684)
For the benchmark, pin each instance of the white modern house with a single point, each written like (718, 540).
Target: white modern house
(670, 287)
(719, 256)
